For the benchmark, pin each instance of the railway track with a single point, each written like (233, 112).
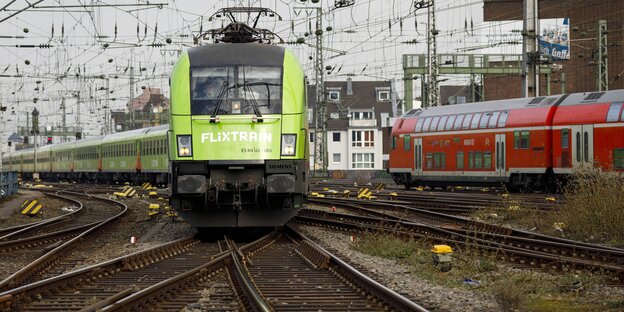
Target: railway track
(46, 245)
(524, 248)
(460, 202)
(213, 276)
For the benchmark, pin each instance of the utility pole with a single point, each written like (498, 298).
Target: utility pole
(603, 61)
(35, 131)
(530, 51)
(433, 98)
(320, 146)
(429, 83)
(107, 118)
(131, 126)
(64, 120)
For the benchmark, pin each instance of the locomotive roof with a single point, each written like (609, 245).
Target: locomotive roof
(236, 53)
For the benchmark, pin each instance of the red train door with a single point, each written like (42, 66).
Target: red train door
(418, 157)
(582, 145)
(501, 163)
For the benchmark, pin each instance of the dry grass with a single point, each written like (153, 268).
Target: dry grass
(594, 207)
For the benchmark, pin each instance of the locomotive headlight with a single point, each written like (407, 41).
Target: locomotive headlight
(185, 149)
(236, 107)
(289, 142)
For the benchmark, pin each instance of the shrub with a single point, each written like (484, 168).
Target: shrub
(594, 206)
(510, 294)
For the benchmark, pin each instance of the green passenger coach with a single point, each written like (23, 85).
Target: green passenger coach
(238, 128)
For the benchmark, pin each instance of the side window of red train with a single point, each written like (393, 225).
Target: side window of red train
(503, 119)
(419, 125)
(442, 123)
(458, 122)
(614, 112)
(565, 138)
(494, 120)
(521, 139)
(484, 120)
(393, 141)
(459, 161)
(426, 124)
(466, 122)
(450, 122)
(434, 124)
(618, 158)
(429, 160)
(475, 121)
(406, 143)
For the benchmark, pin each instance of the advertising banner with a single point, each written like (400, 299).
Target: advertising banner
(554, 41)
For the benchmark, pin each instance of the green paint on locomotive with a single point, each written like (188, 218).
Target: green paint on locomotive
(237, 137)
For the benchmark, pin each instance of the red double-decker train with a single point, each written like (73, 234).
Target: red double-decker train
(526, 143)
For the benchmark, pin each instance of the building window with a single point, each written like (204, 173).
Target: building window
(336, 157)
(459, 160)
(336, 136)
(334, 95)
(565, 138)
(363, 161)
(406, 143)
(383, 96)
(362, 115)
(311, 137)
(618, 158)
(363, 138)
(521, 139)
(310, 115)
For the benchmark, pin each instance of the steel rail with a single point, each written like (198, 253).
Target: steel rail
(141, 298)
(137, 259)
(396, 301)
(20, 229)
(31, 269)
(450, 236)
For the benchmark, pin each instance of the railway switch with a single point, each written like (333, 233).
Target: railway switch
(442, 257)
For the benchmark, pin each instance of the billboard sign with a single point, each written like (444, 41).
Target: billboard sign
(554, 40)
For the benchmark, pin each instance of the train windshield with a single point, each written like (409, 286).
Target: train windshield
(234, 90)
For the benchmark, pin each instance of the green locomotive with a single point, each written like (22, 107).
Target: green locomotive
(238, 132)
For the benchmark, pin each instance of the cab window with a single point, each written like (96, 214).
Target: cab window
(235, 90)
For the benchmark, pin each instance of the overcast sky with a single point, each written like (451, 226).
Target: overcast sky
(367, 40)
